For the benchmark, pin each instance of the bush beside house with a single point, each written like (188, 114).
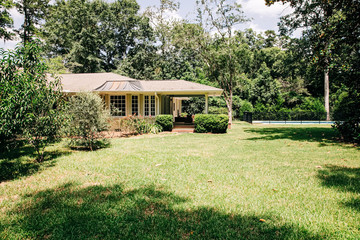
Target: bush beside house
(165, 121)
(88, 118)
(133, 125)
(205, 123)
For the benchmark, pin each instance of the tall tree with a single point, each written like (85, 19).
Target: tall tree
(30, 105)
(34, 12)
(327, 25)
(95, 35)
(162, 23)
(6, 21)
(221, 17)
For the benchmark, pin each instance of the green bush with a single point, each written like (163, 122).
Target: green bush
(30, 105)
(133, 125)
(347, 116)
(218, 110)
(246, 106)
(211, 123)
(88, 118)
(165, 121)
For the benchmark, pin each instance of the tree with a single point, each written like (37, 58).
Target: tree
(93, 36)
(328, 26)
(5, 19)
(160, 57)
(34, 12)
(163, 24)
(266, 89)
(88, 119)
(30, 105)
(222, 57)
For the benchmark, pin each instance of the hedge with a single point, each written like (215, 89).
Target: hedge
(205, 123)
(165, 121)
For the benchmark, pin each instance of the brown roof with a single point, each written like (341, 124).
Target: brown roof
(111, 82)
(76, 82)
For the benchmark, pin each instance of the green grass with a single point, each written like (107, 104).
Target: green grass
(298, 179)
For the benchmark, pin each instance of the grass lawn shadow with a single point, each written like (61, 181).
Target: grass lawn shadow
(323, 135)
(71, 211)
(19, 161)
(345, 179)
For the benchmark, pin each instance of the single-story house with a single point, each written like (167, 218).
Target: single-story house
(138, 97)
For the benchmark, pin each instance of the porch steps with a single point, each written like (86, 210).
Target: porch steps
(183, 128)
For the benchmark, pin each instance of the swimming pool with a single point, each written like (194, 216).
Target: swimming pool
(292, 122)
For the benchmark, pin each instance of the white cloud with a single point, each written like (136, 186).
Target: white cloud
(255, 27)
(172, 15)
(8, 44)
(17, 17)
(258, 8)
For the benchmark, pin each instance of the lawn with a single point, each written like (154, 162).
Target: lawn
(298, 180)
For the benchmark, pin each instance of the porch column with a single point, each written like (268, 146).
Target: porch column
(206, 103)
(128, 105)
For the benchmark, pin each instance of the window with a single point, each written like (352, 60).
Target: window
(152, 105)
(149, 106)
(135, 105)
(118, 105)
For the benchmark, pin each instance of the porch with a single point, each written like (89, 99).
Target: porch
(150, 105)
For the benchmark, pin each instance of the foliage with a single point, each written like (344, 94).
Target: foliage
(34, 12)
(348, 130)
(331, 30)
(165, 121)
(56, 65)
(133, 125)
(94, 36)
(30, 105)
(245, 106)
(223, 58)
(88, 118)
(217, 110)
(194, 105)
(347, 116)
(160, 57)
(312, 104)
(205, 123)
(265, 90)
(5, 19)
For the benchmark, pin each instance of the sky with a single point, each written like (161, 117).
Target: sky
(262, 17)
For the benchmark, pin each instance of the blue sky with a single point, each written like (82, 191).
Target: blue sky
(262, 17)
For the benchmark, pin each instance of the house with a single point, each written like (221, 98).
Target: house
(138, 97)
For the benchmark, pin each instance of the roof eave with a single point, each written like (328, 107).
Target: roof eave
(169, 92)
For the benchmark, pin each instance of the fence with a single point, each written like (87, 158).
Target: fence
(284, 116)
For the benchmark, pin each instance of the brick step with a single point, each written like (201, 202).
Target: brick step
(184, 126)
(183, 130)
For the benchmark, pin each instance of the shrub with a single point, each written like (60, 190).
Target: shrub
(348, 130)
(88, 118)
(218, 110)
(211, 123)
(313, 105)
(246, 106)
(347, 116)
(30, 105)
(133, 125)
(165, 121)
(194, 105)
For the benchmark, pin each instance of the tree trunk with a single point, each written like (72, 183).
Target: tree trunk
(26, 23)
(229, 107)
(326, 93)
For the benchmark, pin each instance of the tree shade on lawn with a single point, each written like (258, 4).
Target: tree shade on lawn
(198, 186)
